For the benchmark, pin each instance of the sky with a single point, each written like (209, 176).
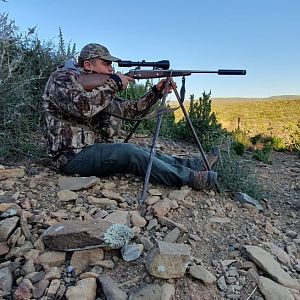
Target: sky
(260, 36)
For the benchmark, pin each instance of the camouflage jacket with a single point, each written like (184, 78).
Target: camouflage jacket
(74, 118)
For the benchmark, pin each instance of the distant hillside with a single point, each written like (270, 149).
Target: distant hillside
(276, 116)
(272, 98)
(244, 100)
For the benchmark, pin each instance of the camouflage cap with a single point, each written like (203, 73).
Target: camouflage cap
(94, 50)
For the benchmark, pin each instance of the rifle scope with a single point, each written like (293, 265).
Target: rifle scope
(162, 64)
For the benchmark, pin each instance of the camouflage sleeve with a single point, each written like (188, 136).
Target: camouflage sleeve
(126, 108)
(63, 89)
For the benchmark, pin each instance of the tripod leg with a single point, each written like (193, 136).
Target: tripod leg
(152, 151)
(136, 125)
(194, 134)
(193, 130)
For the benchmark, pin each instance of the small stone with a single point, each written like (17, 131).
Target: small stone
(202, 274)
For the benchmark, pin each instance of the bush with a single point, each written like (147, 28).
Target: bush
(25, 66)
(208, 130)
(239, 148)
(263, 154)
(234, 177)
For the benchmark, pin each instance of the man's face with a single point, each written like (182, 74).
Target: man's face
(98, 65)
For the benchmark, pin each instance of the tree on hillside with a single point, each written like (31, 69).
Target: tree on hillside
(204, 121)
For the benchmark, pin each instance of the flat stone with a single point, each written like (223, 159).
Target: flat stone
(162, 207)
(52, 258)
(269, 265)
(148, 292)
(146, 243)
(3, 248)
(179, 195)
(7, 226)
(6, 279)
(85, 289)
(244, 198)
(202, 274)
(77, 183)
(53, 288)
(112, 195)
(40, 288)
(137, 220)
(75, 235)
(152, 200)
(12, 173)
(172, 236)
(281, 255)
(171, 224)
(167, 291)
(81, 260)
(110, 289)
(119, 217)
(155, 192)
(168, 260)
(273, 291)
(66, 195)
(222, 284)
(102, 202)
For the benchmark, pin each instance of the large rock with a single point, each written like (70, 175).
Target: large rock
(6, 279)
(7, 226)
(162, 207)
(168, 260)
(202, 274)
(75, 235)
(273, 291)
(85, 289)
(12, 173)
(269, 265)
(281, 255)
(51, 259)
(147, 292)
(81, 260)
(77, 183)
(119, 217)
(102, 202)
(110, 289)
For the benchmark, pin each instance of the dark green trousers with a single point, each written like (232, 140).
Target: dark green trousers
(107, 159)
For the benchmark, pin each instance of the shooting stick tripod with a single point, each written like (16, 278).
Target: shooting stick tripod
(180, 99)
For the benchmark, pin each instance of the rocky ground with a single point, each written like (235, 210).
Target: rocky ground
(54, 241)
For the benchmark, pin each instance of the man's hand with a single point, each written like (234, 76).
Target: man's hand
(162, 83)
(125, 79)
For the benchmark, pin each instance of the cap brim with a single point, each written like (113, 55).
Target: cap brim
(110, 58)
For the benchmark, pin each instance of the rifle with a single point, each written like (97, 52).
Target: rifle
(91, 81)
(160, 70)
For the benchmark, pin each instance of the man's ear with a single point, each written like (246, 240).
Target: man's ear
(87, 65)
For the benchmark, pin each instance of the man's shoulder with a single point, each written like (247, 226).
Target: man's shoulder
(62, 77)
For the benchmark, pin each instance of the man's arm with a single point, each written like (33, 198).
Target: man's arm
(66, 94)
(129, 109)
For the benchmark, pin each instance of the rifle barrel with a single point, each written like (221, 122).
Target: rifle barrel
(147, 74)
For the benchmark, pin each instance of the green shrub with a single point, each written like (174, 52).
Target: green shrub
(207, 129)
(239, 148)
(25, 66)
(234, 176)
(278, 143)
(263, 154)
